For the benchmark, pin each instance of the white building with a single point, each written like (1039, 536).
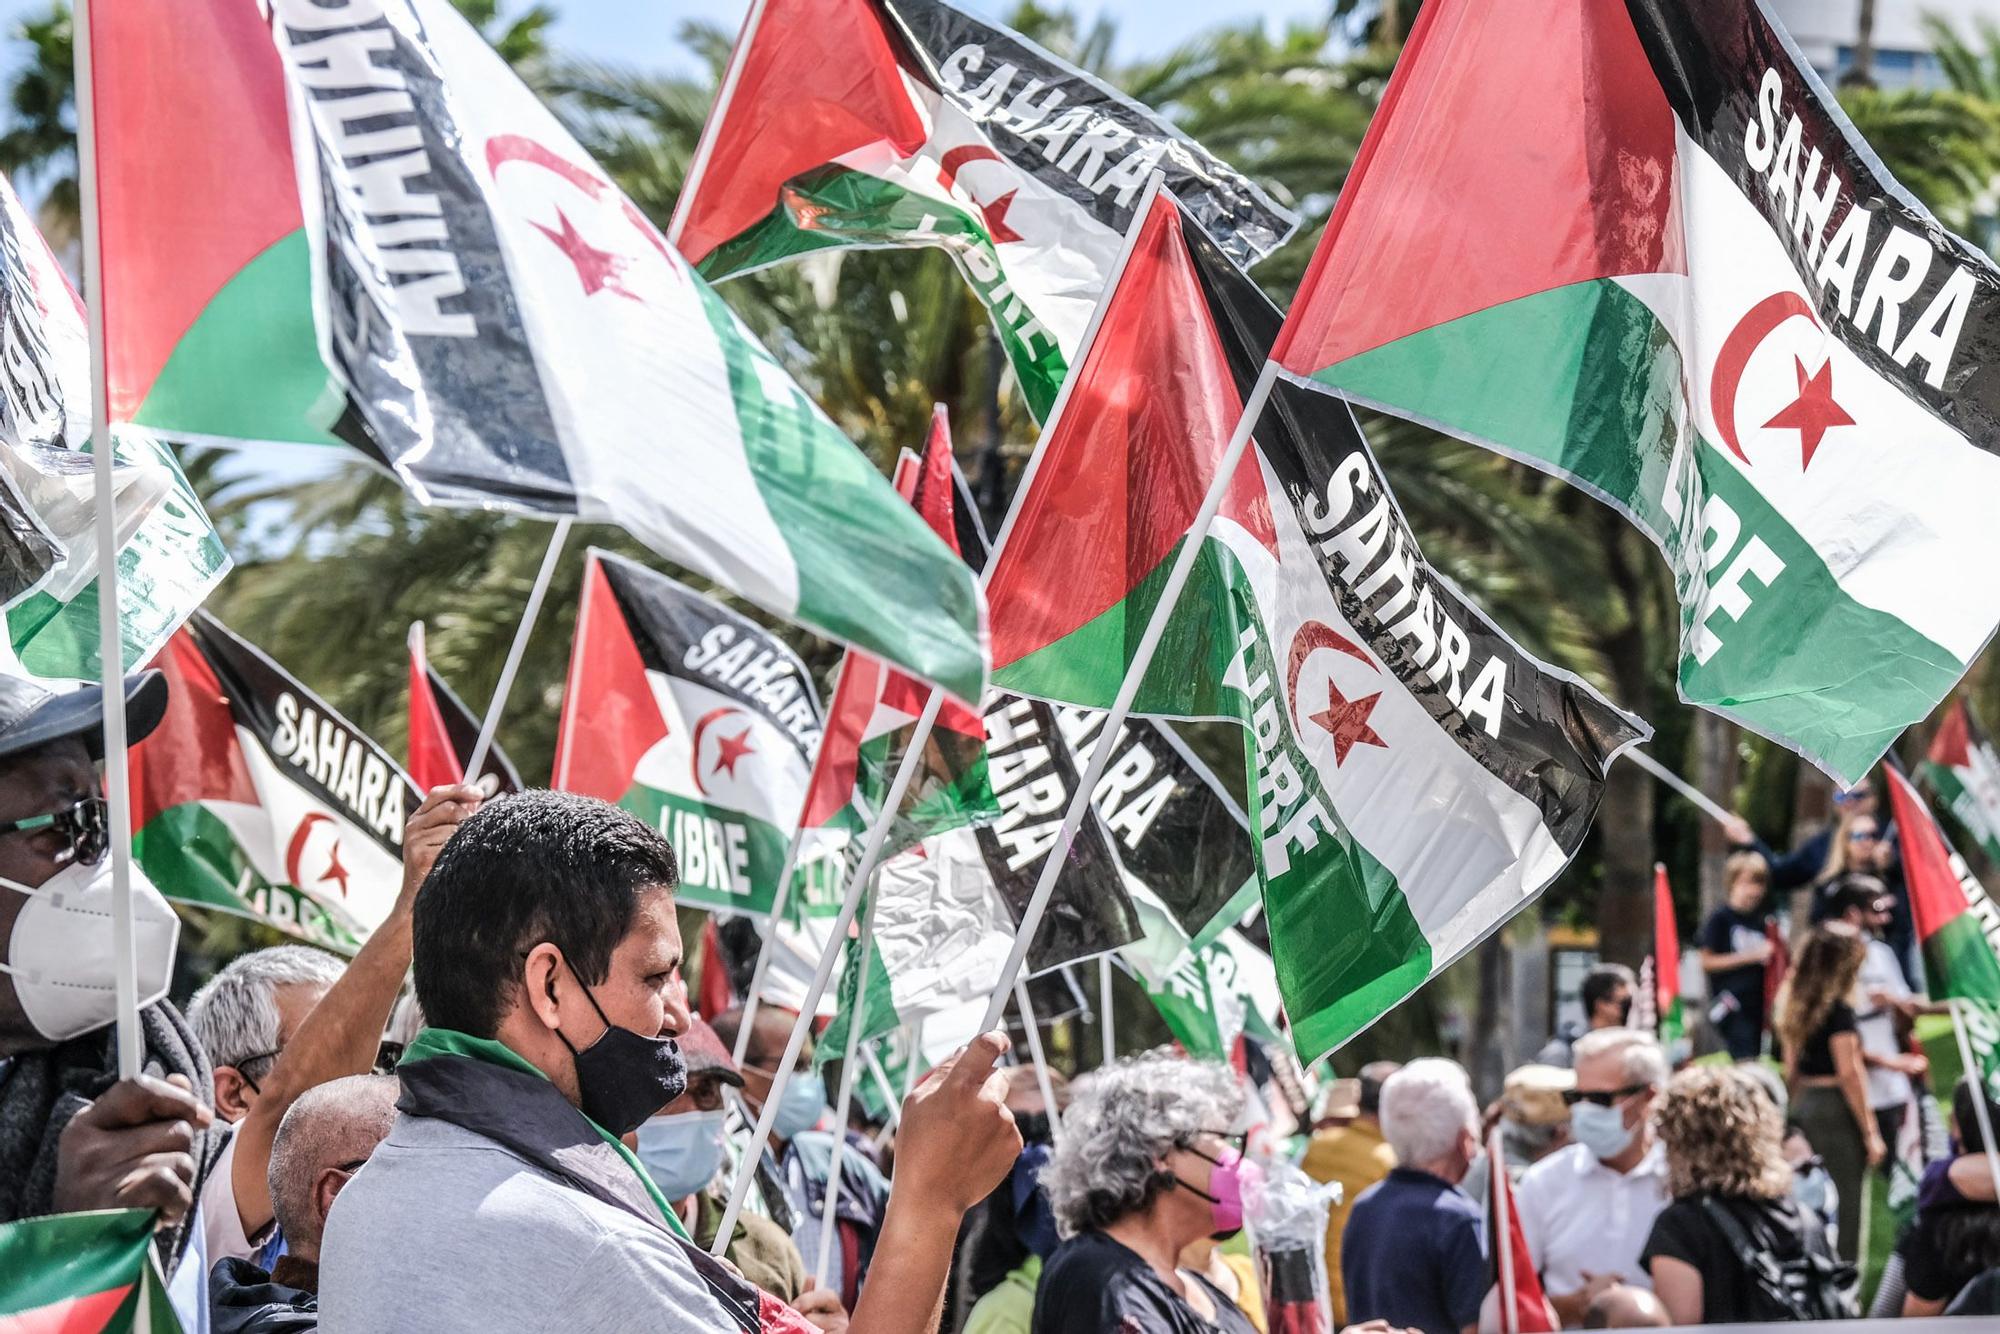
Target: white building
(1825, 32)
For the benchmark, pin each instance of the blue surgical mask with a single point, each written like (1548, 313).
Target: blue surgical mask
(1602, 1130)
(682, 1153)
(801, 1106)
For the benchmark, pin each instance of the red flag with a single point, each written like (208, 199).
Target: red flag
(443, 731)
(1775, 969)
(1666, 960)
(716, 993)
(1524, 1308)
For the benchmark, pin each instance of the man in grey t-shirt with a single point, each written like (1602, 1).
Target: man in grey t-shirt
(546, 956)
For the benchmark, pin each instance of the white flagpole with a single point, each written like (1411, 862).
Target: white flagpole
(888, 1091)
(913, 1067)
(704, 149)
(1104, 1023)
(110, 639)
(780, 898)
(837, 937)
(1128, 691)
(516, 651)
(1974, 1073)
(850, 1061)
(1033, 1031)
(1676, 782)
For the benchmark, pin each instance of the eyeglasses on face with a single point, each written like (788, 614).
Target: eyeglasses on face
(85, 826)
(1863, 835)
(1602, 1097)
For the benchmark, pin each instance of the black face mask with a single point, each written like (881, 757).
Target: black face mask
(1625, 1011)
(624, 1078)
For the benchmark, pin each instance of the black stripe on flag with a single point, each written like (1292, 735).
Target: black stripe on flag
(687, 635)
(1735, 86)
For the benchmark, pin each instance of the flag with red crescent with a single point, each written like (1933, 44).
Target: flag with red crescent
(254, 796)
(914, 123)
(1415, 777)
(702, 722)
(1682, 281)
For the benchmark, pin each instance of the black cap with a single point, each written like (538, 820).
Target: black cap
(32, 715)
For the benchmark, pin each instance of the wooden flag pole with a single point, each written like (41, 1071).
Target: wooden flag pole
(1503, 1243)
(516, 651)
(1128, 691)
(110, 635)
(871, 854)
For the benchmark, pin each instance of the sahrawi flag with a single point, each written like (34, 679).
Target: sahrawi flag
(1957, 923)
(252, 796)
(1216, 994)
(443, 731)
(510, 331)
(1666, 962)
(82, 1274)
(169, 556)
(1417, 777)
(912, 123)
(699, 721)
(1682, 281)
(1964, 771)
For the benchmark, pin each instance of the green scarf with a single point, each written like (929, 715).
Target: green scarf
(450, 1042)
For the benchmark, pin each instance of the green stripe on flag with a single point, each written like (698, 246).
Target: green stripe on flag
(719, 849)
(1961, 963)
(849, 538)
(845, 208)
(878, 1018)
(1551, 378)
(66, 1260)
(192, 856)
(262, 317)
(1085, 666)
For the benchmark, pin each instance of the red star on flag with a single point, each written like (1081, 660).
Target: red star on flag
(732, 749)
(1813, 413)
(335, 871)
(1346, 721)
(598, 270)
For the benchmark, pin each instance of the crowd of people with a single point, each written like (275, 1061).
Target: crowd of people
(537, 1133)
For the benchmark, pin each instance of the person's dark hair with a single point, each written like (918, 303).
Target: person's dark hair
(1601, 981)
(1967, 1116)
(532, 867)
(1373, 1076)
(1854, 890)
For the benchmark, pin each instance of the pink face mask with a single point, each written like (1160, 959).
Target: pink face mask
(1225, 1189)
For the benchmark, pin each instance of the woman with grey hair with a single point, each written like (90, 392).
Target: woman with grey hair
(1148, 1163)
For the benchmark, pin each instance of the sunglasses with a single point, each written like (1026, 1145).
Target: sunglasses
(1611, 1098)
(85, 826)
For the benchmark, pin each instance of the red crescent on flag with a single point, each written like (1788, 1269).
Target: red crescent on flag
(1316, 635)
(1744, 340)
(694, 750)
(297, 847)
(504, 148)
(995, 212)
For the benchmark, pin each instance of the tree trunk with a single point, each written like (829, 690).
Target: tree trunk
(1488, 1046)
(1716, 765)
(1861, 73)
(1625, 901)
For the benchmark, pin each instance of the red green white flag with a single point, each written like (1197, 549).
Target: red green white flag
(1666, 962)
(1963, 769)
(1957, 924)
(899, 123)
(1681, 281)
(254, 797)
(82, 1274)
(1415, 776)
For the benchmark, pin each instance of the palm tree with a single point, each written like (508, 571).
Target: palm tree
(39, 146)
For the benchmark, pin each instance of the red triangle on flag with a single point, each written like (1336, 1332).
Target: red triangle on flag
(193, 754)
(433, 761)
(610, 717)
(72, 1315)
(1952, 746)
